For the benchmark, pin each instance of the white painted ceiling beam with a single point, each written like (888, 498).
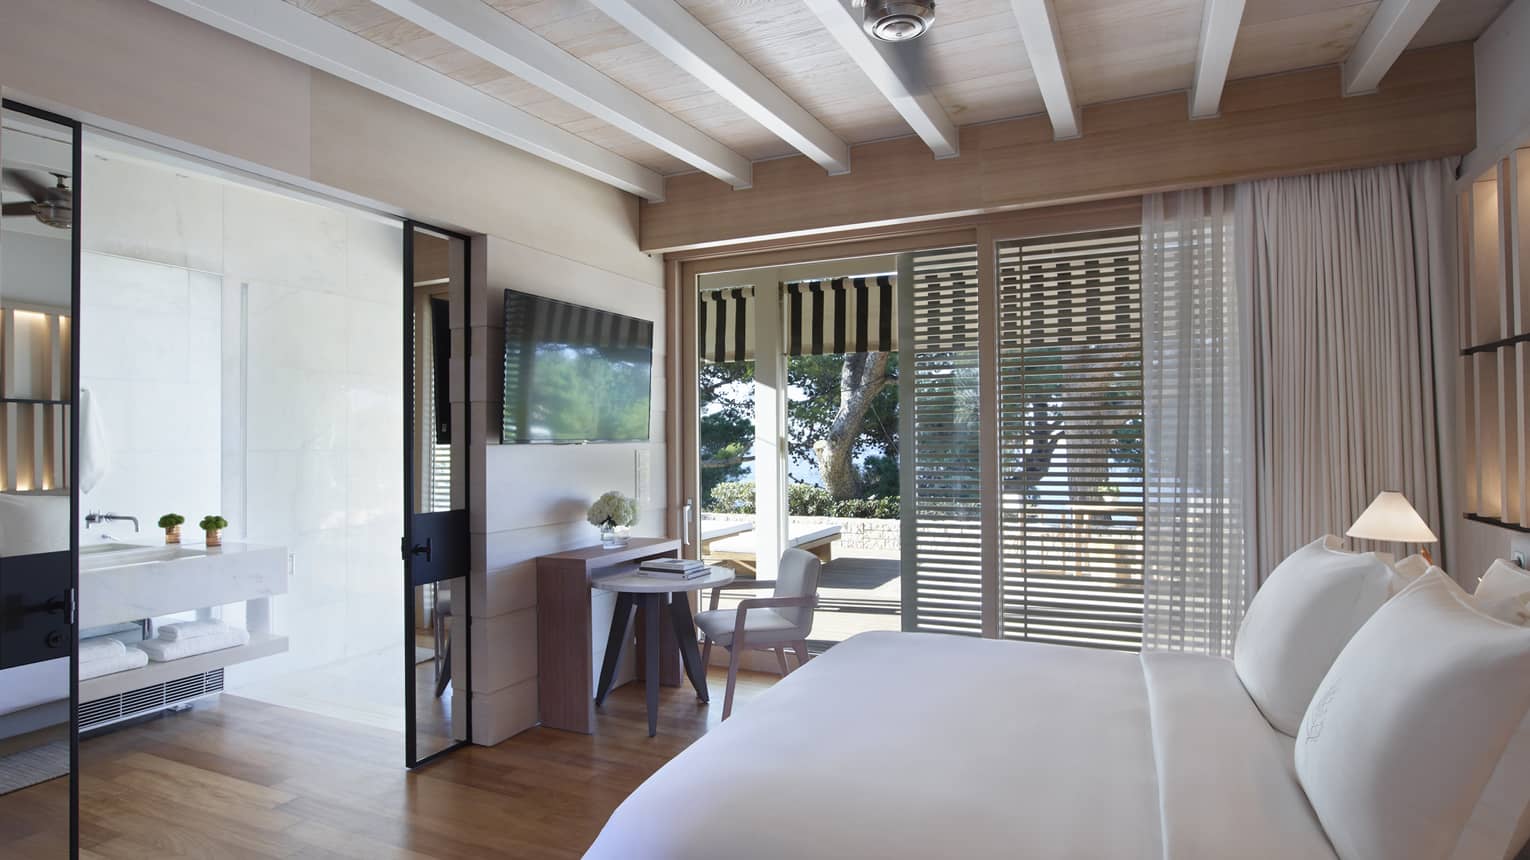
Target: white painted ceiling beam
(485, 32)
(290, 31)
(1219, 31)
(672, 31)
(916, 105)
(1392, 27)
(1043, 44)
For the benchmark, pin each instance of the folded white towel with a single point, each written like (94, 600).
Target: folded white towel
(131, 658)
(163, 650)
(192, 630)
(100, 648)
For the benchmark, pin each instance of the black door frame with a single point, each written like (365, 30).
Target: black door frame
(77, 131)
(411, 759)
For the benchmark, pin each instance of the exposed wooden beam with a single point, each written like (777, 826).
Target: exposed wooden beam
(672, 31)
(913, 101)
(486, 32)
(1270, 126)
(1219, 31)
(1392, 27)
(1043, 44)
(290, 31)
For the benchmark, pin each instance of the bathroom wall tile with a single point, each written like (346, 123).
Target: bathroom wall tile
(373, 566)
(284, 241)
(375, 412)
(272, 488)
(152, 212)
(373, 340)
(375, 260)
(295, 328)
(375, 486)
(205, 292)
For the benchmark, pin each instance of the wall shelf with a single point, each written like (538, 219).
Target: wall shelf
(260, 645)
(1494, 279)
(1493, 521)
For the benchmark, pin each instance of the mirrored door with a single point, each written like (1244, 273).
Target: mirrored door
(39, 298)
(436, 554)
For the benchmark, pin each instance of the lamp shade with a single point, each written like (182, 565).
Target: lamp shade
(1391, 518)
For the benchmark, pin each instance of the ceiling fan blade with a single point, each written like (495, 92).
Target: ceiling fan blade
(11, 209)
(29, 184)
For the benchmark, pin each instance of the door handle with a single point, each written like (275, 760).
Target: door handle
(421, 550)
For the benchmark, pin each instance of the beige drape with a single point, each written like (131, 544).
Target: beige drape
(1347, 274)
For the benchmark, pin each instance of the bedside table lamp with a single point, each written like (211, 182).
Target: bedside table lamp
(1391, 518)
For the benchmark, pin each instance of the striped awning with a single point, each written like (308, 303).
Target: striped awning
(725, 321)
(821, 318)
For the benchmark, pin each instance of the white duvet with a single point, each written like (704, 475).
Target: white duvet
(896, 745)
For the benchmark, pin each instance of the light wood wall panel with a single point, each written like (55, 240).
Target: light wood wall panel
(1271, 126)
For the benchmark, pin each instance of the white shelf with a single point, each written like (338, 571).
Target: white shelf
(261, 645)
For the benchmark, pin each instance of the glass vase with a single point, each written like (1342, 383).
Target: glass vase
(613, 537)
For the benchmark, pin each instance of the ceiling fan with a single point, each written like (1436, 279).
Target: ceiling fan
(52, 205)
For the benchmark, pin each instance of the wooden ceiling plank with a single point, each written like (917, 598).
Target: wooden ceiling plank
(1277, 125)
(917, 105)
(1043, 44)
(482, 30)
(1393, 26)
(292, 32)
(672, 31)
(1219, 31)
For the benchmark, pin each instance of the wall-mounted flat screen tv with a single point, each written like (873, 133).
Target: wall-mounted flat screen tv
(574, 374)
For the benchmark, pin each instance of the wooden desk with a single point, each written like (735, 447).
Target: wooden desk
(565, 636)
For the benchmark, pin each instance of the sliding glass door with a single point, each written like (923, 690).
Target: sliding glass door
(435, 544)
(39, 536)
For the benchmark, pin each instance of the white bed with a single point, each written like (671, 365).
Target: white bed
(897, 745)
(30, 697)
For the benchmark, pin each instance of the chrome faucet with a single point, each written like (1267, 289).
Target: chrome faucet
(95, 517)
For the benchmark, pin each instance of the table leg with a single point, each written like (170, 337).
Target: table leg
(620, 619)
(652, 604)
(685, 631)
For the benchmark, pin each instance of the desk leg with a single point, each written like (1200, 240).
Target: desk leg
(620, 621)
(652, 606)
(685, 631)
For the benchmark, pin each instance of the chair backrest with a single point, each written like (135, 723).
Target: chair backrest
(798, 577)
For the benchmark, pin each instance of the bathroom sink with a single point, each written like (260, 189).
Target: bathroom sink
(113, 554)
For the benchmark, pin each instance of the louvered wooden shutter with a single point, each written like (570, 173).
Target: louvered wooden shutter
(1070, 409)
(942, 573)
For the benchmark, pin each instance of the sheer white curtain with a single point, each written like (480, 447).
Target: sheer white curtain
(1349, 279)
(1194, 371)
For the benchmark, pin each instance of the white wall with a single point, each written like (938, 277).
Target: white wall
(245, 349)
(1503, 123)
(534, 497)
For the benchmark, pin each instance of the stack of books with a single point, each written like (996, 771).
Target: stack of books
(673, 568)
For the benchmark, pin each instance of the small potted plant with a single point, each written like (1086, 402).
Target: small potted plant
(171, 523)
(614, 513)
(214, 526)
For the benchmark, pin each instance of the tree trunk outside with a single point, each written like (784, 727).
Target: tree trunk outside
(861, 378)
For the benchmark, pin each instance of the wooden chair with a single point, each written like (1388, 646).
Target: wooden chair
(765, 623)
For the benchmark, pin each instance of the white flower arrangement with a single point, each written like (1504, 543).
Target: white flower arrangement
(613, 509)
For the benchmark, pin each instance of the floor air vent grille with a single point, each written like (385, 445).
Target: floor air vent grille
(144, 700)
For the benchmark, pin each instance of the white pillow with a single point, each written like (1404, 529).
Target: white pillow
(1417, 744)
(1503, 579)
(1300, 620)
(1411, 568)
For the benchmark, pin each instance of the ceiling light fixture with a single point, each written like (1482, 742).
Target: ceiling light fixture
(897, 20)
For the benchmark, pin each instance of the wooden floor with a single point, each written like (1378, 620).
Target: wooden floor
(239, 778)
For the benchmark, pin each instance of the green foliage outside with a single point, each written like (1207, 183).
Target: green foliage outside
(583, 394)
(802, 500)
(816, 382)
